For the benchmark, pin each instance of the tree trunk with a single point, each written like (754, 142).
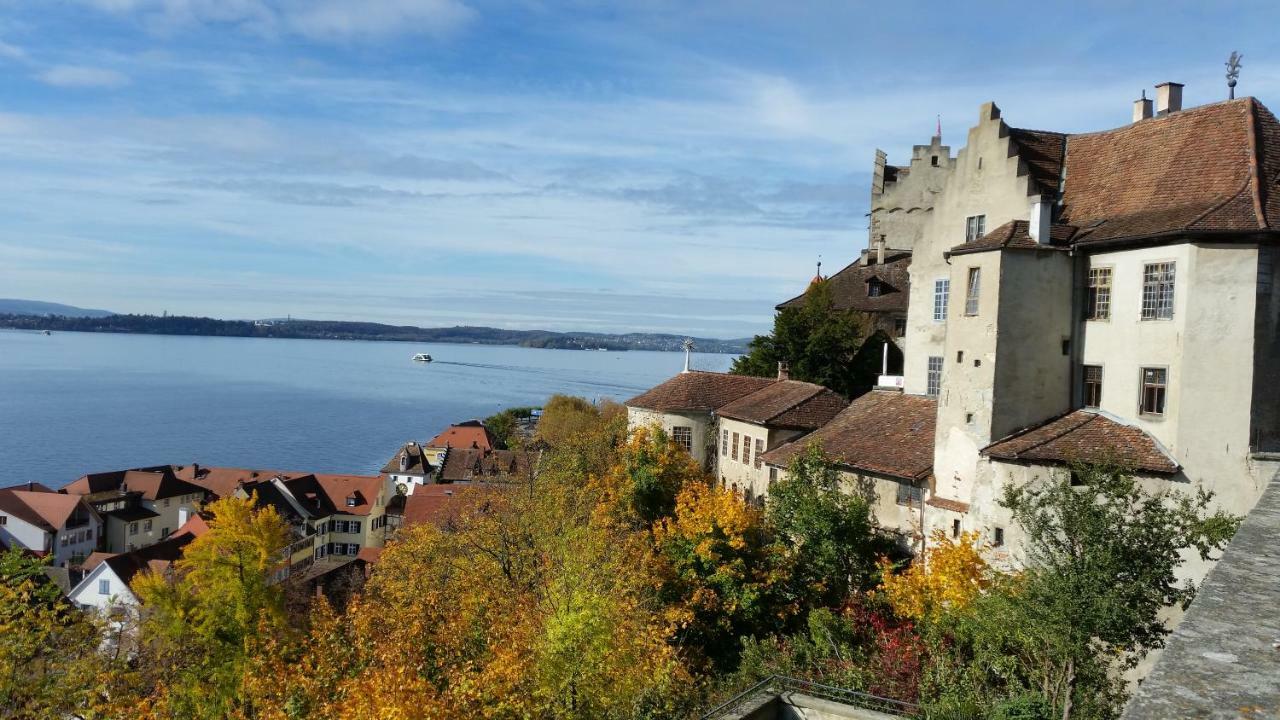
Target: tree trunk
(1070, 689)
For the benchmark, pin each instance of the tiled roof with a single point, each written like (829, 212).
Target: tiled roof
(698, 390)
(471, 433)
(46, 510)
(438, 504)
(337, 488)
(849, 286)
(1042, 151)
(415, 461)
(882, 432)
(787, 404)
(1085, 436)
(1209, 169)
(1016, 234)
(470, 464)
(223, 481)
(156, 558)
(947, 504)
(155, 483)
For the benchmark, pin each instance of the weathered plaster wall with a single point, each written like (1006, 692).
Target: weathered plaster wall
(899, 210)
(1265, 431)
(701, 422)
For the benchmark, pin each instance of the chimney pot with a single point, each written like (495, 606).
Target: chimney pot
(1168, 98)
(784, 370)
(1142, 107)
(880, 250)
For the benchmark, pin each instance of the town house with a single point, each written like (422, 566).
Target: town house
(138, 507)
(61, 527)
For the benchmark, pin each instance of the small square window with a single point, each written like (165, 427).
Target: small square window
(975, 226)
(909, 494)
(900, 327)
(968, 418)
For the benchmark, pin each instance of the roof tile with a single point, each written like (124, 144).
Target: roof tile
(1085, 436)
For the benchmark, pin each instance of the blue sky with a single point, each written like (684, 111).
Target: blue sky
(647, 166)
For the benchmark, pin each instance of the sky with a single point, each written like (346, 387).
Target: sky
(632, 166)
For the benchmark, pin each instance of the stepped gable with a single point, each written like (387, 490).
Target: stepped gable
(881, 432)
(1209, 169)
(698, 390)
(1085, 436)
(1016, 234)
(1042, 153)
(787, 404)
(849, 286)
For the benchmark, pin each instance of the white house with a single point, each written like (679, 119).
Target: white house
(49, 524)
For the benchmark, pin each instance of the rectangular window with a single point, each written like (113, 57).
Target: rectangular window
(4, 519)
(773, 475)
(999, 541)
(62, 539)
(975, 226)
(133, 528)
(683, 436)
(146, 525)
(354, 527)
(1157, 291)
(166, 502)
(1155, 382)
(164, 532)
(734, 454)
(104, 587)
(955, 528)
(759, 452)
(353, 549)
(941, 295)
(1098, 296)
(971, 293)
(724, 443)
(900, 327)
(909, 494)
(933, 387)
(1092, 386)
(746, 450)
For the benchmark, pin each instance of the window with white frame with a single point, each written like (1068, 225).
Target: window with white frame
(724, 443)
(1092, 386)
(1155, 385)
(971, 291)
(746, 450)
(941, 295)
(104, 587)
(353, 549)
(683, 436)
(975, 226)
(933, 386)
(759, 452)
(734, 453)
(1098, 297)
(1157, 291)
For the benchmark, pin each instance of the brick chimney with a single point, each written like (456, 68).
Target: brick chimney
(1142, 107)
(784, 370)
(1168, 98)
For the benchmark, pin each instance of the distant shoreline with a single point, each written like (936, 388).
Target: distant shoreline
(175, 325)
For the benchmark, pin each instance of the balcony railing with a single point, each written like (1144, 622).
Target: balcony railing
(778, 684)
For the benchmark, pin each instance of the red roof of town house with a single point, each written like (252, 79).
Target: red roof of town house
(415, 460)
(881, 432)
(786, 404)
(470, 464)
(195, 526)
(471, 433)
(46, 510)
(1085, 436)
(155, 483)
(223, 481)
(154, 558)
(439, 504)
(362, 489)
(698, 390)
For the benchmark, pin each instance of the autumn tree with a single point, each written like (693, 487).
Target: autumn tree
(950, 575)
(566, 416)
(826, 532)
(198, 617)
(649, 471)
(50, 664)
(823, 345)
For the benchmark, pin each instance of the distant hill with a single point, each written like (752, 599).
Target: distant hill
(339, 330)
(11, 306)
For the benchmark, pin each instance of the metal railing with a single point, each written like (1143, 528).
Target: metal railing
(778, 684)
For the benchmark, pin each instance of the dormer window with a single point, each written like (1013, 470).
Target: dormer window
(404, 461)
(875, 288)
(351, 501)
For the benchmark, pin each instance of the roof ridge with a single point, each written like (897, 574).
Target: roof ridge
(1163, 118)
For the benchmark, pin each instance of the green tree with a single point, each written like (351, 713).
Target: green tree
(823, 345)
(827, 533)
(50, 665)
(505, 425)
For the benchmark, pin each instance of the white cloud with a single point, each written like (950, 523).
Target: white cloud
(323, 20)
(13, 52)
(82, 76)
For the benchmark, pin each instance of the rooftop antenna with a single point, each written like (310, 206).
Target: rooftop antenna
(939, 133)
(1233, 72)
(688, 348)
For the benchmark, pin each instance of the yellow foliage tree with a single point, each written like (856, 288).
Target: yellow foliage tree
(949, 576)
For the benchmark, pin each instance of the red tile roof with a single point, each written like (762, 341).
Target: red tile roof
(415, 461)
(947, 504)
(1042, 153)
(849, 286)
(439, 504)
(698, 390)
(471, 433)
(155, 558)
(364, 488)
(223, 481)
(470, 464)
(1206, 169)
(786, 404)
(1016, 234)
(155, 483)
(1086, 436)
(882, 432)
(46, 510)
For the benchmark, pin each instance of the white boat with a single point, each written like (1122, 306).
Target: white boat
(422, 357)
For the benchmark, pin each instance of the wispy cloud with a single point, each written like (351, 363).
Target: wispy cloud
(79, 76)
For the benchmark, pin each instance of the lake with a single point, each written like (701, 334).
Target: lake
(72, 403)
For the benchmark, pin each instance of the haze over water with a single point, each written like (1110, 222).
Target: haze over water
(72, 403)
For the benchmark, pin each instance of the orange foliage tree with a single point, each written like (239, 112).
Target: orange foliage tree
(951, 575)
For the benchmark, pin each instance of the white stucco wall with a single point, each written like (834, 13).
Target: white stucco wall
(17, 531)
(748, 478)
(86, 593)
(700, 421)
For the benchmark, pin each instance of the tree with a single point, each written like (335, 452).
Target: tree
(49, 660)
(198, 617)
(565, 416)
(650, 470)
(724, 569)
(950, 576)
(505, 425)
(827, 533)
(821, 344)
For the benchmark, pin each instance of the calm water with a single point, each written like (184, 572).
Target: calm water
(72, 403)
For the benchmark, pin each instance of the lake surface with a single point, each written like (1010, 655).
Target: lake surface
(72, 403)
